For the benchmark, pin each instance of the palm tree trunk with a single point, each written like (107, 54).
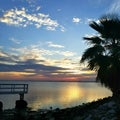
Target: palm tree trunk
(116, 82)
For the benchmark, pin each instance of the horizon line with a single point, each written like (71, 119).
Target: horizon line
(49, 80)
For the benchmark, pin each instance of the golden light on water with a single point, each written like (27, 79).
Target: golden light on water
(41, 103)
(70, 93)
(64, 96)
(97, 93)
(43, 95)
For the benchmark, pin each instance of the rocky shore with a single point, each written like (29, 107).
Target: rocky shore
(102, 109)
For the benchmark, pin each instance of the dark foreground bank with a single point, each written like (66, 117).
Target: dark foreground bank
(103, 109)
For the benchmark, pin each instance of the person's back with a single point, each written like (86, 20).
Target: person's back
(21, 104)
(21, 110)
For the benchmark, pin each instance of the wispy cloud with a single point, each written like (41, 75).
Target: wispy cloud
(27, 66)
(15, 40)
(37, 63)
(1, 47)
(51, 44)
(83, 20)
(3, 54)
(31, 2)
(22, 18)
(67, 53)
(115, 7)
(35, 52)
(88, 20)
(6, 58)
(38, 8)
(40, 55)
(59, 10)
(76, 20)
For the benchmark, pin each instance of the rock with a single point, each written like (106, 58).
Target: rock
(114, 118)
(77, 118)
(52, 119)
(111, 111)
(89, 117)
(111, 104)
(103, 118)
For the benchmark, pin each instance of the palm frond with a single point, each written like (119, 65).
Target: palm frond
(92, 64)
(111, 28)
(92, 52)
(94, 40)
(104, 55)
(98, 61)
(103, 76)
(96, 27)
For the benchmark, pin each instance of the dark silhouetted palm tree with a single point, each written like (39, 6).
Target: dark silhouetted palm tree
(104, 52)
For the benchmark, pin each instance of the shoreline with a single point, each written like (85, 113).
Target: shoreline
(102, 109)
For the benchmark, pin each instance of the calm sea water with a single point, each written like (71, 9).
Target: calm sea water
(43, 95)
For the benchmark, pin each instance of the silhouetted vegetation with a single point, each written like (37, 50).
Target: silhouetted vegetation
(103, 55)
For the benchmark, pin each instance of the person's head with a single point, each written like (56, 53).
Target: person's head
(21, 96)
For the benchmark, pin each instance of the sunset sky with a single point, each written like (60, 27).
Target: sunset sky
(42, 39)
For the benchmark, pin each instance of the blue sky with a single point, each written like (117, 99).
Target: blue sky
(42, 39)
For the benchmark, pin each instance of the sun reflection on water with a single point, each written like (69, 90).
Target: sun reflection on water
(64, 95)
(70, 94)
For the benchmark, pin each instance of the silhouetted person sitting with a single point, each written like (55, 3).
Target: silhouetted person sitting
(21, 104)
(21, 108)
(1, 106)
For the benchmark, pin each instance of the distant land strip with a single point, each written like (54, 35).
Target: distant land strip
(46, 81)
